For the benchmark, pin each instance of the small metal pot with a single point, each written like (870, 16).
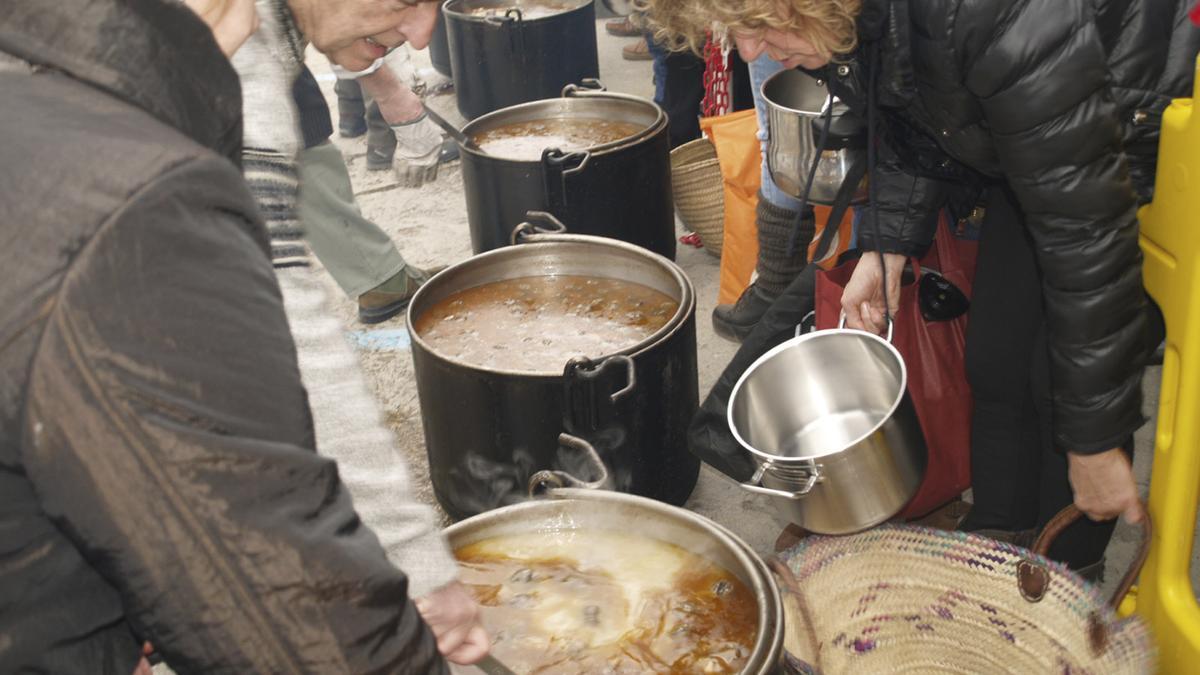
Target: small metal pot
(499, 61)
(797, 107)
(583, 509)
(828, 419)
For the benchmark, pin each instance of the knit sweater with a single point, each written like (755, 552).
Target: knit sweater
(345, 415)
(268, 63)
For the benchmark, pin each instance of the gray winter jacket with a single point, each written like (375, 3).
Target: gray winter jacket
(158, 479)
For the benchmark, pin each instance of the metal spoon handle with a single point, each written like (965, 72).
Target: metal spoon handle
(449, 128)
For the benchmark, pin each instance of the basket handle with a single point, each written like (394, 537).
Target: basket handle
(1033, 579)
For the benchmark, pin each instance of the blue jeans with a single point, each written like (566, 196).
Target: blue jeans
(660, 68)
(760, 69)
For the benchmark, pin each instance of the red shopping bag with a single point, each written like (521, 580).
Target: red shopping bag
(933, 352)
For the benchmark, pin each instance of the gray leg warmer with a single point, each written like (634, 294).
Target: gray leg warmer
(776, 269)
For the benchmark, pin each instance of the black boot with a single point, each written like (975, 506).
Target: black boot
(734, 322)
(381, 140)
(352, 122)
(776, 269)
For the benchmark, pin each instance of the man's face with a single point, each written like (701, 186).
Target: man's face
(353, 33)
(790, 49)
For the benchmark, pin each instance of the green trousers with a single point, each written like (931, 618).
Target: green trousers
(357, 252)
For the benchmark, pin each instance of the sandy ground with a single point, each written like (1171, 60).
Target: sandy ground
(429, 225)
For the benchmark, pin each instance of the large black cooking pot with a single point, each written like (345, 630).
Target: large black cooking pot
(439, 46)
(526, 51)
(620, 190)
(487, 431)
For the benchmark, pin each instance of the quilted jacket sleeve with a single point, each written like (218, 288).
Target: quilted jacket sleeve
(908, 208)
(1039, 70)
(169, 438)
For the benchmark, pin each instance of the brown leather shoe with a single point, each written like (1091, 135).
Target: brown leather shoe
(622, 27)
(638, 51)
(392, 296)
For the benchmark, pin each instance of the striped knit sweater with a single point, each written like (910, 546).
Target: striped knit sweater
(268, 64)
(345, 415)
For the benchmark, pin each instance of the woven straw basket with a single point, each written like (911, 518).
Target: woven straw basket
(699, 191)
(909, 599)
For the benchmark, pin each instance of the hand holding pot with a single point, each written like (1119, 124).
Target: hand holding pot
(1103, 485)
(453, 616)
(862, 300)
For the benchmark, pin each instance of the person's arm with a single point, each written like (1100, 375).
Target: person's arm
(1040, 74)
(169, 437)
(908, 207)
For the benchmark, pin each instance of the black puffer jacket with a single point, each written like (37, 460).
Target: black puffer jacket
(158, 479)
(1040, 94)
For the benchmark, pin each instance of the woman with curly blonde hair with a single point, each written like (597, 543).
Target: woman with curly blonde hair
(1046, 111)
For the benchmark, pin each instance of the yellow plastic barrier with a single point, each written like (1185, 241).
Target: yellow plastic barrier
(1170, 238)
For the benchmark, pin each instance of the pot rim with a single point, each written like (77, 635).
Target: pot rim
(687, 299)
(830, 333)
(762, 90)
(660, 122)
(768, 643)
(464, 16)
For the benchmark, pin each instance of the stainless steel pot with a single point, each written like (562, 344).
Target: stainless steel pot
(620, 190)
(829, 422)
(488, 430)
(582, 509)
(797, 105)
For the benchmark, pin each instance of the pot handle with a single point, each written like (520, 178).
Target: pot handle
(547, 480)
(588, 85)
(842, 324)
(513, 15)
(755, 483)
(536, 222)
(579, 378)
(557, 167)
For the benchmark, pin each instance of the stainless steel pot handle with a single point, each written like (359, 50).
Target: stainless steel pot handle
(546, 480)
(588, 85)
(754, 484)
(842, 324)
(536, 222)
(584, 368)
(512, 15)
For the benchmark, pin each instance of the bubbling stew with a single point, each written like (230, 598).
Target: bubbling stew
(525, 141)
(537, 324)
(600, 602)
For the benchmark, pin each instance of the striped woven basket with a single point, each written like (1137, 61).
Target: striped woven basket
(699, 191)
(917, 600)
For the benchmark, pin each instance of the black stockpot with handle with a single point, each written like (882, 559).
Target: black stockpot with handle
(525, 52)
(439, 46)
(620, 189)
(488, 431)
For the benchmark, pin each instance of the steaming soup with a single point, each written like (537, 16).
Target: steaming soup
(537, 324)
(592, 601)
(525, 141)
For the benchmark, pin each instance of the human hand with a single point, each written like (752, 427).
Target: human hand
(862, 301)
(418, 149)
(453, 616)
(1104, 486)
